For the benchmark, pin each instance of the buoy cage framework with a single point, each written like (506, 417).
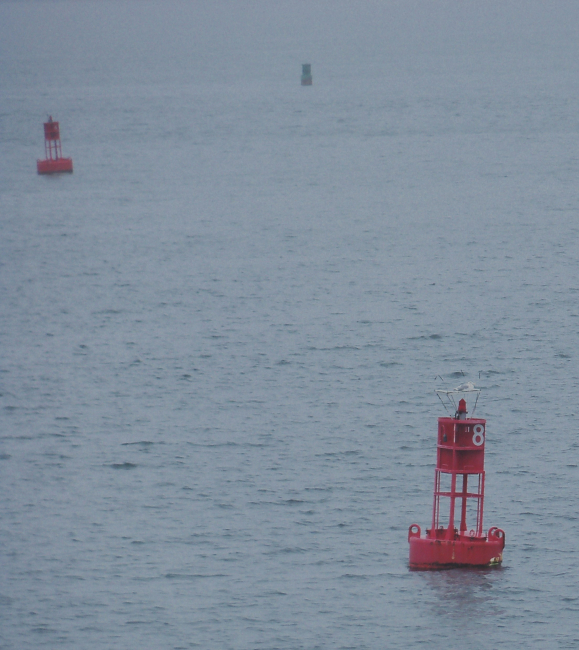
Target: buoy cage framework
(53, 163)
(460, 457)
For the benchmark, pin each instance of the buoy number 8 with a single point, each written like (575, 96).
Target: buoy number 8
(479, 435)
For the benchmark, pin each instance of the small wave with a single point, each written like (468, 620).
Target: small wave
(123, 466)
(139, 622)
(286, 550)
(193, 576)
(141, 443)
(426, 337)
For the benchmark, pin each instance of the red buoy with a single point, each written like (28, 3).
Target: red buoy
(459, 457)
(54, 162)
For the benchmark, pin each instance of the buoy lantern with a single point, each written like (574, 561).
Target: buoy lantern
(306, 74)
(54, 162)
(459, 457)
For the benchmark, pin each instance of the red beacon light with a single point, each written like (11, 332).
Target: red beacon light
(54, 162)
(460, 455)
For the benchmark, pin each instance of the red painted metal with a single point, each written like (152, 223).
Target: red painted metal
(460, 456)
(54, 163)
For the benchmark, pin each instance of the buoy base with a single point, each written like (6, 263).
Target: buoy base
(54, 166)
(462, 550)
(306, 81)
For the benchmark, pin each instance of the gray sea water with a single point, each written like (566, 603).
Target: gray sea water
(220, 337)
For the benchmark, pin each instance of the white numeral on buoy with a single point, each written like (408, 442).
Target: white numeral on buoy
(479, 435)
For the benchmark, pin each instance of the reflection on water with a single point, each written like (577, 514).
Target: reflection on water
(465, 592)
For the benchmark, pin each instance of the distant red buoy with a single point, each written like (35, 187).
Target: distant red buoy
(54, 162)
(460, 455)
(306, 74)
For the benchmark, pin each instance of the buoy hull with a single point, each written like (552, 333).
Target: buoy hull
(464, 551)
(55, 166)
(307, 81)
